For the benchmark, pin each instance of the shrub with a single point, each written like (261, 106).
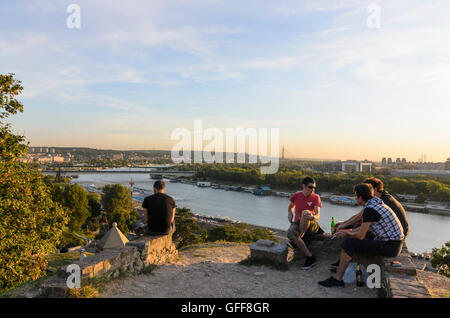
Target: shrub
(187, 230)
(239, 233)
(440, 258)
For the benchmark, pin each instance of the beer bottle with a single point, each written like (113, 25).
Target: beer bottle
(359, 281)
(333, 224)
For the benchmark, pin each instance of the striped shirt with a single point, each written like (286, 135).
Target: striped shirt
(387, 227)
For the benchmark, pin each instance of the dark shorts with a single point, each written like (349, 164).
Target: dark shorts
(352, 245)
(294, 229)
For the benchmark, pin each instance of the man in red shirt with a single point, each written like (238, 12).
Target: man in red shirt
(307, 213)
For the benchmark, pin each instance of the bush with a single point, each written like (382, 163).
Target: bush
(440, 258)
(239, 233)
(187, 230)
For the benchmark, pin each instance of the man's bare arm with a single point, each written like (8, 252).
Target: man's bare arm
(290, 214)
(354, 220)
(317, 215)
(173, 215)
(360, 234)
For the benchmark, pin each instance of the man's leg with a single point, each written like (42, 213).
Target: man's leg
(344, 260)
(304, 224)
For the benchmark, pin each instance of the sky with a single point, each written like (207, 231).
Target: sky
(340, 79)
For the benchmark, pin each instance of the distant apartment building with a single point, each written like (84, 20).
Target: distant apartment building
(389, 161)
(397, 161)
(447, 164)
(357, 166)
(404, 160)
(383, 162)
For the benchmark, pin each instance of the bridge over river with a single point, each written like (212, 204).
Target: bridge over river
(167, 173)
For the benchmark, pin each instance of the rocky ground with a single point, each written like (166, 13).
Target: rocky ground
(212, 270)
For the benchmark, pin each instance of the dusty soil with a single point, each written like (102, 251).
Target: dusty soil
(212, 270)
(437, 285)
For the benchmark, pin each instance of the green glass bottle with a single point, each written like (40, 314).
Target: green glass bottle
(333, 224)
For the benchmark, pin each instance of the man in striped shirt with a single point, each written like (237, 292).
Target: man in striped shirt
(380, 221)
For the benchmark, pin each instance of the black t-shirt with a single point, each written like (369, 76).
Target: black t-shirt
(398, 209)
(160, 211)
(370, 215)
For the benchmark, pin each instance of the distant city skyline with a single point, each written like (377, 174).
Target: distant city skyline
(51, 148)
(336, 86)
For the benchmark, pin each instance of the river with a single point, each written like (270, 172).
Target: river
(427, 230)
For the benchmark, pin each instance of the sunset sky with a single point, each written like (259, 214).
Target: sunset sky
(136, 70)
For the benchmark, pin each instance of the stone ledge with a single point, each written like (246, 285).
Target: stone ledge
(407, 268)
(406, 286)
(109, 263)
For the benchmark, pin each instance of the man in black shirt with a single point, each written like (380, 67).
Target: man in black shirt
(388, 199)
(159, 211)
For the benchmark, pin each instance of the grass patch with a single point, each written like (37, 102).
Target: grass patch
(199, 255)
(87, 291)
(258, 261)
(56, 261)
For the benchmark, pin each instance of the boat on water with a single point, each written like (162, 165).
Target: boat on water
(216, 186)
(156, 176)
(283, 194)
(262, 191)
(343, 200)
(248, 189)
(203, 184)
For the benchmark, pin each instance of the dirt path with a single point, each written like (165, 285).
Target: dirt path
(212, 270)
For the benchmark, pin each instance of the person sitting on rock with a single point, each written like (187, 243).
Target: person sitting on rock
(377, 218)
(387, 198)
(307, 213)
(159, 211)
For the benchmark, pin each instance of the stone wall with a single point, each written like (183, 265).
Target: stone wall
(109, 263)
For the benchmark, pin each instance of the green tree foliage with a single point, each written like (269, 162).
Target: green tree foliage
(440, 258)
(116, 201)
(75, 199)
(187, 230)
(31, 224)
(92, 223)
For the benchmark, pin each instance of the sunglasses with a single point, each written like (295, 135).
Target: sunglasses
(312, 187)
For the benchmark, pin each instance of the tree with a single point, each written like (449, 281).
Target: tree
(76, 200)
(116, 201)
(31, 224)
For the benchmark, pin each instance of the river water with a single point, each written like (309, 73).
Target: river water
(427, 230)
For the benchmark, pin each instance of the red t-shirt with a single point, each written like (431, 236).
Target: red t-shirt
(304, 203)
